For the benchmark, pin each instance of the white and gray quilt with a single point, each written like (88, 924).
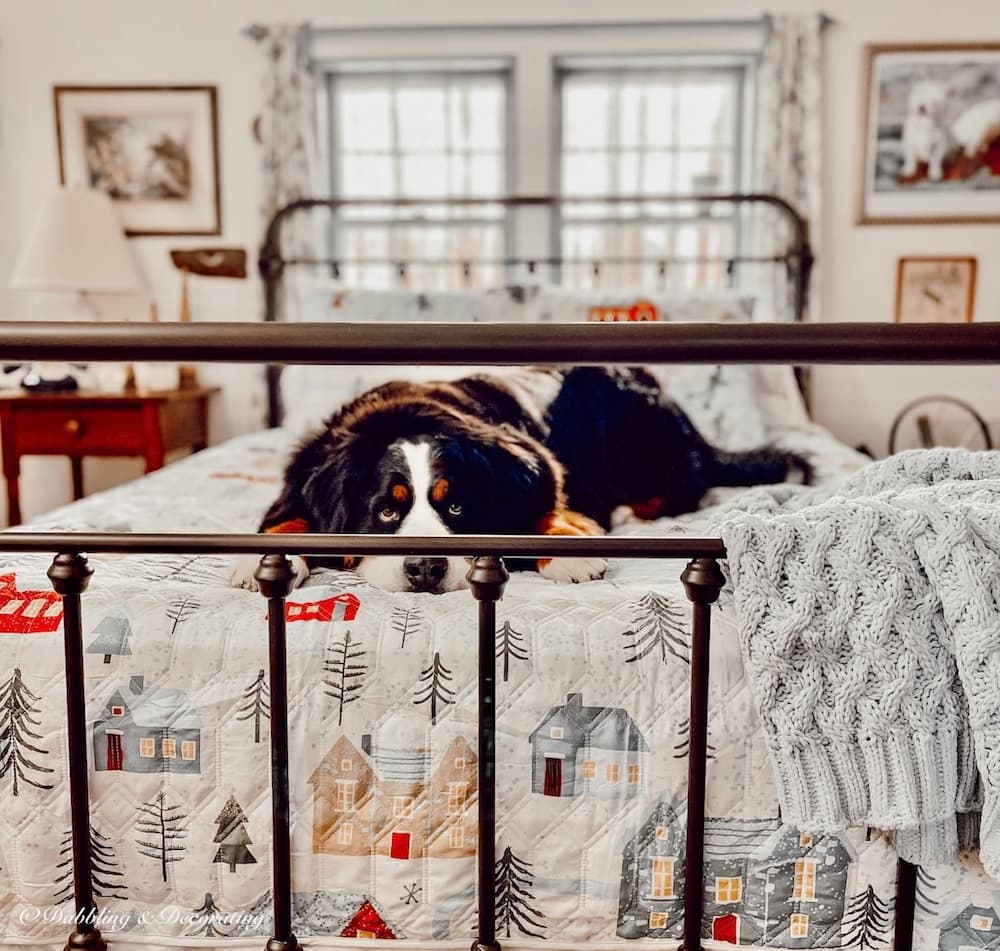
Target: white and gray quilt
(592, 713)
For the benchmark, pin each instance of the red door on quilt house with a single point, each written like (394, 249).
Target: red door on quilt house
(115, 756)
(553, 776)
(399, 848)
(726, 928)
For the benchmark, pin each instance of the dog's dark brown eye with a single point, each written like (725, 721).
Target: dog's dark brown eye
(455, 509)
(388, 515)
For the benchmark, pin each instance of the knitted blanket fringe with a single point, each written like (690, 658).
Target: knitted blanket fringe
(869, 620)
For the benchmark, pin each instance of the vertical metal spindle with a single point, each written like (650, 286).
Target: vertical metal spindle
(487, 578)
(275, 577)
(906, 905)
(702, 580)
(70, 575)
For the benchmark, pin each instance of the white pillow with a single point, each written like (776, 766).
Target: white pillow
(624, 305)
(722, 401)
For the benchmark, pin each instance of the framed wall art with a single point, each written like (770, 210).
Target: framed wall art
(153, 149)
(932, 134)
(935, 290)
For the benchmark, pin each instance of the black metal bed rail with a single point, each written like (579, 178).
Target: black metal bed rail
(509, 344)
(702, 579)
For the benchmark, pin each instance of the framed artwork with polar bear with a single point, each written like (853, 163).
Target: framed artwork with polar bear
(932, 134)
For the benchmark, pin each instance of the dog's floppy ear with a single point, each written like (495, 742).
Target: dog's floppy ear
(312, 497)
(325, 491)
(525, 480)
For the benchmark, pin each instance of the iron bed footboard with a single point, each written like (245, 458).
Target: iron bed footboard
(70, 571)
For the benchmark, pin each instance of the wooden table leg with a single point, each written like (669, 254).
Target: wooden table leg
(154, 437)
(11, 467)
(76, 462)
(12, 472)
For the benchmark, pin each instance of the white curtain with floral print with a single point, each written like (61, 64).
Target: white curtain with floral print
(285, 129)
(789, 146)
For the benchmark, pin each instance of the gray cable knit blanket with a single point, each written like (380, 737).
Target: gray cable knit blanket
(869, 620)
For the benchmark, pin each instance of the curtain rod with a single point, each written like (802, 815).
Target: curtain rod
(257, 30)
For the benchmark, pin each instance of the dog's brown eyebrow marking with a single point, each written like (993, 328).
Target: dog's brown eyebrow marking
(439, 490)
(400, 493)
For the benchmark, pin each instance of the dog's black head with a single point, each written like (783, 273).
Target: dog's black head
(400, 461)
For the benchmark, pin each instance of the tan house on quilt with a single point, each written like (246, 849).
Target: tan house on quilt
(381, 801)
(343, 801)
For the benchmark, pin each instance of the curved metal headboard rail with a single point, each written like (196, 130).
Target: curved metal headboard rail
(271, 262)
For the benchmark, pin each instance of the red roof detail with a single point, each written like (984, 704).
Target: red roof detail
(367, 919)
(28, 612)
(344, 607)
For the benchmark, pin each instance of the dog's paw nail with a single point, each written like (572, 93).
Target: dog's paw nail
(574, 570)
(242, 575)
(622, 515)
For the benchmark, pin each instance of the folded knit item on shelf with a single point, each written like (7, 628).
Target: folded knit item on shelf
(869, 620)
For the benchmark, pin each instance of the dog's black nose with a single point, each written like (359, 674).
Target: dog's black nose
(425, 574)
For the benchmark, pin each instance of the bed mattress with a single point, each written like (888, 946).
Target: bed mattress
(592, 736)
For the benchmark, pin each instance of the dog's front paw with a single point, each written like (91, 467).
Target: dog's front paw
(245, 567)
(572, 570)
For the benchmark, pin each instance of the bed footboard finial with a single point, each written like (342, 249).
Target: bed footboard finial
(275, 577)
(487, 577)
(703, 580)
(70, 575)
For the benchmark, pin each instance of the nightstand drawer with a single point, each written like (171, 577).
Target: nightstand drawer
(83, 429)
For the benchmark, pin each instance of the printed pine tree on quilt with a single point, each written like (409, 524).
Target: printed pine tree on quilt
(405, 621)
(207, 914)
(17, 722)
(659, 627)
(258, 704)
(435, 688)
(867, 921)
(233, 837)
(107, 879)
(346, 674)
(512, 882)
(161, 827)
(510, 643)
(113, 633)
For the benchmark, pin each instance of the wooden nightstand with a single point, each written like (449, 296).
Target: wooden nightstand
(147, 424)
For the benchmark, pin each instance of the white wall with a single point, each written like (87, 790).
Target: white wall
(47, 42)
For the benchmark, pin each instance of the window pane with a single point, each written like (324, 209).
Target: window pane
(585, 115)
(478, 118)
(363, 120)
(366, 176)
(586, 174)
(704, 171)
(438, 133)
(705, 114)
(645, 128)
(661, 106)
(421, 116)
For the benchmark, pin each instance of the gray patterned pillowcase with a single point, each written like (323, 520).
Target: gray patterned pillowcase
(722, 401)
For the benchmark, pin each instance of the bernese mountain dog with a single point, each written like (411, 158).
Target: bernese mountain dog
(536, 451)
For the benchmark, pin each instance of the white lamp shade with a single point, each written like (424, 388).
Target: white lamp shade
(77, 244)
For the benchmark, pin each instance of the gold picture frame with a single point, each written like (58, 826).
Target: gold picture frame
(930, 150)
(935, 289)
(153, 149)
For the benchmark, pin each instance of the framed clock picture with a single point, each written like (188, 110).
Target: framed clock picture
(935, 290)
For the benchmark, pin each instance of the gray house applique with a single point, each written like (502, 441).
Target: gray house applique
(578, 750)
(973, 927)
(148, 730)
(764, 882)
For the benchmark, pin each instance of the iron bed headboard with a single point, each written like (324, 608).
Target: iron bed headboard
(860, 343)
(796, 257)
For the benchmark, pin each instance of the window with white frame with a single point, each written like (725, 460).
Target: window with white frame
(647, 126)
(419, 129)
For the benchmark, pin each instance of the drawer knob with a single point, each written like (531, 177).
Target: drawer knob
(73, 427)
